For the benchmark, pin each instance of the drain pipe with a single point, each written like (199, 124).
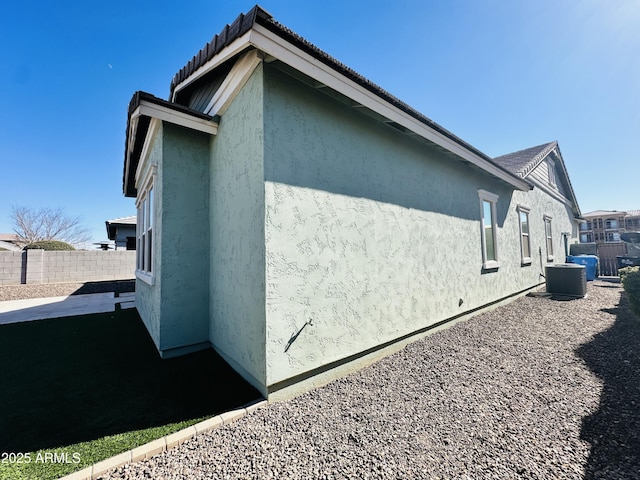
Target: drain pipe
(541, 266)
(565, 238)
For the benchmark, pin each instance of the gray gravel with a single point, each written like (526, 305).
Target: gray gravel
(20, 292)
(538, 389)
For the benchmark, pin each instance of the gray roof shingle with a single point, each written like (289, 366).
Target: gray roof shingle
(522, 162)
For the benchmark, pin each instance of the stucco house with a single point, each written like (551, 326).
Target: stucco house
(302, 221)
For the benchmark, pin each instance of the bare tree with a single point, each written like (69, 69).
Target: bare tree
(33, 225)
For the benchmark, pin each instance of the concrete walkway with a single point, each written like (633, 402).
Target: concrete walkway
(13, 311)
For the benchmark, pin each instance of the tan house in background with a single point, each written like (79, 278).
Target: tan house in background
(601, 234)
(605, 226)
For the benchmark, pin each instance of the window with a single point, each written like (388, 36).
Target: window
(489, 229)
(549, 235)
(613, 237)
(551, 165)
(586, 238)
(525, 241)
(144, 232)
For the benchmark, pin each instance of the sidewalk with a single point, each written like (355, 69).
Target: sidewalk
(14, 311)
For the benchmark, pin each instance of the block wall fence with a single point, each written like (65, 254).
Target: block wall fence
(40, 266)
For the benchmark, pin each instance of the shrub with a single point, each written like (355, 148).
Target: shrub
(49, 245)
(630, 277)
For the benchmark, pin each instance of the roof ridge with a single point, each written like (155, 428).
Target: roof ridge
(538, 158)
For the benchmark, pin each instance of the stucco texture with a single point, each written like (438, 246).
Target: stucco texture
(147, 295)
(174, 306)
(306, 233)
(237, 325)
(184, 252)
(371, 235)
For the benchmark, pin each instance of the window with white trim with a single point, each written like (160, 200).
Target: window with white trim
(525, 240)
(549, 236)
(489, 229)
(144, 232)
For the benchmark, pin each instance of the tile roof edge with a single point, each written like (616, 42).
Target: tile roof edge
(244, 22)
(136, 100)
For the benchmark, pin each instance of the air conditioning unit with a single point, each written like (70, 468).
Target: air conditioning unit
(567, 279)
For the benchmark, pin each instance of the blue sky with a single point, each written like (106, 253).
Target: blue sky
(503, 75)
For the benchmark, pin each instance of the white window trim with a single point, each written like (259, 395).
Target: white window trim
(524, 209)
(548, 236)
(147, 276)
(492, 198)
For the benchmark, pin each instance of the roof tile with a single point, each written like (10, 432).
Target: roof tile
(265, 19)
(523, 161)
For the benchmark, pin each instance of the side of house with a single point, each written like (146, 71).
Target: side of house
(373, 235)
(301, 221)
(173, 237)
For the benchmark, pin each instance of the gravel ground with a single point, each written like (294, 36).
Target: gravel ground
(537, 389)
(20, 292)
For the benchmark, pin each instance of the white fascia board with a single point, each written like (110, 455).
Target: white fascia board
(233, 83)
(133, 126)
(173, 116)
(153, 127)
(279, 48)
(225, 54)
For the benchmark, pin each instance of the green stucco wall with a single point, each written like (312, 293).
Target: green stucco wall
(302, 209)
(237, 327)
(148, 296)
(184, 252)
(175, 307)
(372, 235)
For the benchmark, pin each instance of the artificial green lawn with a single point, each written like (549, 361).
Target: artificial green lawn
(95, 386)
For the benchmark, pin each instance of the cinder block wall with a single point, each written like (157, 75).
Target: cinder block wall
(11, 268)
(39, 266)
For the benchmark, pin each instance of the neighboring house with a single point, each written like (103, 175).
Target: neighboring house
(605, 226)
(123, 232)
(302, 221)
(10, 241)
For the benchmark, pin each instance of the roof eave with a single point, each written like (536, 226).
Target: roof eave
(278, 42)
(142, 109)
(362, 96)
